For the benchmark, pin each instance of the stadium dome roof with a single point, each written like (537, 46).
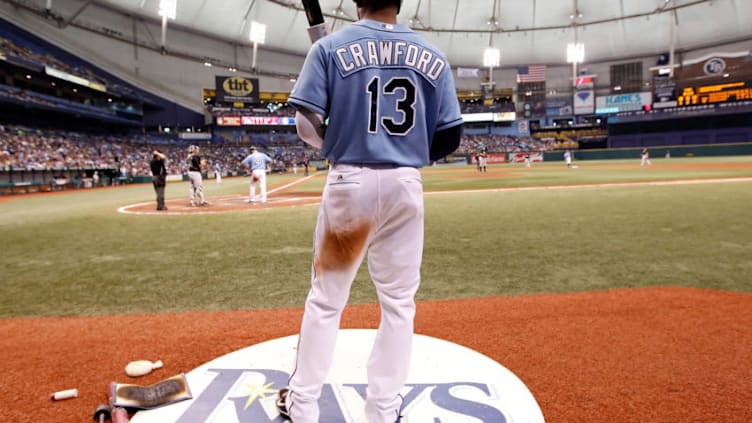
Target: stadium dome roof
(525, 31)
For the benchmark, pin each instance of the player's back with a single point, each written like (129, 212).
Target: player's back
(256, 160)
(387, 90)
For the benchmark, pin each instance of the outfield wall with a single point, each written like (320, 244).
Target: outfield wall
(737, 149)
(682, 138)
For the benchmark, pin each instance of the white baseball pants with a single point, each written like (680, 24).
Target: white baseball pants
(259, 176)
(378, 211)
(197, 187)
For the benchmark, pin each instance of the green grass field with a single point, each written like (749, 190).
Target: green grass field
(73, 254)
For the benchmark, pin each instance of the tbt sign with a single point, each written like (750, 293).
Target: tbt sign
(235, 89)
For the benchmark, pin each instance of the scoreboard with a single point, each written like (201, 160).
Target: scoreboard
(714, 94)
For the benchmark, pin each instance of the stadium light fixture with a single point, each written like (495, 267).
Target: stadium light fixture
(258, 36)
(491, 57)
(168, 9)
(258, 32)
(575, 53)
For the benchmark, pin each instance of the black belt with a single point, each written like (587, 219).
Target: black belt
(372, 165)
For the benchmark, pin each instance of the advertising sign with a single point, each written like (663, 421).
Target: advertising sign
(584, 102)
(584, 81)
(622, 102)
(664, 89)
(254, 120)
(491, 158)
(228, 120)
(236, 89)
(558, 107)
(522, 127)
(535, 157)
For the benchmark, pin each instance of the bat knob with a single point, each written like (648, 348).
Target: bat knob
(102, 413)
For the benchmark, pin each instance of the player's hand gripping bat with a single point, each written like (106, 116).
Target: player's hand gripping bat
(316, 26)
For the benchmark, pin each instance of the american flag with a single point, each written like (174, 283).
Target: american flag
(534, 73)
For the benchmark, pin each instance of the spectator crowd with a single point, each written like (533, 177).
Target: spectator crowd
(129, 154)
(31, 148)
(497, 143)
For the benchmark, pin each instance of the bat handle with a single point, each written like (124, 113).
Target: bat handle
(120, 415)
(317, 32)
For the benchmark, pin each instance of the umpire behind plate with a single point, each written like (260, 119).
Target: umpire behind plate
(392, 108)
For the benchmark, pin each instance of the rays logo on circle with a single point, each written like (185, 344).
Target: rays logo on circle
(447, 383)
(714, 66)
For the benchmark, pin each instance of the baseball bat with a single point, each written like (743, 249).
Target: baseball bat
(316, 26)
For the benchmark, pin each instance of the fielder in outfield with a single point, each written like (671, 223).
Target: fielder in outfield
(259, 163)
(392, 108)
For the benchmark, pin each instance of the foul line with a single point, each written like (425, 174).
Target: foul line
(125, 210)
(605, 185)
(293, 183)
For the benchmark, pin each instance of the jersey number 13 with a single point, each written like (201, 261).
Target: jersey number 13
(405, 104)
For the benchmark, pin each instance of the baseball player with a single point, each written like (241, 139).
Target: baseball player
(482, 161)
(392, 108)
(645, 157)
(218, 172)
(159, 177)
(568, 158)
(259, 163)
(194, 174)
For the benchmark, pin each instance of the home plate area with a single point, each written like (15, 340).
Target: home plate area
(222, 204)
(448, 383)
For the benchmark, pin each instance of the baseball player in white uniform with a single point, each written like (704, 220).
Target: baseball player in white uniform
(387, 118)
(645, 157)
(258, 163)
(218, 172)
(568, 158)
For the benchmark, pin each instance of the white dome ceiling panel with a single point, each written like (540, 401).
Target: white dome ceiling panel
(526, 49)
(742, 9)
(548, 13)
(692, 21)
(595, 10)
(601, 41)
(469, 47)
(646, 35)
(527, 31)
